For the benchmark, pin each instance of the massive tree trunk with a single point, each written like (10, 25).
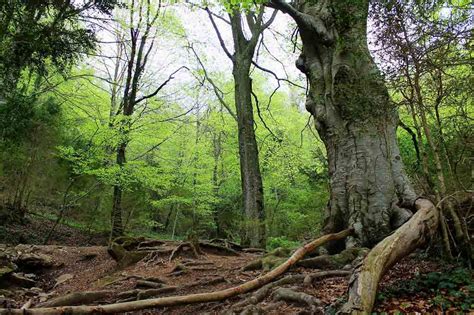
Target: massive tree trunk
(354, 118)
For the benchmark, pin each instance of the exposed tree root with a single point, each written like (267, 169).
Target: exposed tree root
(414, 233)
(126, 277)
(259, 295)
(141, 294)
(308, 279)
(192, 298)
(207, 281)
(254, 250)
(183, 247)
(149, 284)
(336, 261)
(285, 294)
(269, 260)
(218, 248)
(226, 243)
(77, 298)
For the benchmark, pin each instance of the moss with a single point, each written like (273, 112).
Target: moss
(275, 258)
(348, 255)
(279, 252)
(7, 269)
(271, 262)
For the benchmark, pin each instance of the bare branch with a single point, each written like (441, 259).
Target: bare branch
(219, 36)
(217, 91)
(260, 114)
(161, 86)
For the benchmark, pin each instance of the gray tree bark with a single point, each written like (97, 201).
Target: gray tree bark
(253, 228)
(253, 232)
(354, 118)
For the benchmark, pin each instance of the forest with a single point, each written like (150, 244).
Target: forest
(236, 157)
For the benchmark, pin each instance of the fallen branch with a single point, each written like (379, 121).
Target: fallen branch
(192, 298)
(414, 233)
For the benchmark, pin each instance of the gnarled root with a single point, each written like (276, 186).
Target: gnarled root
(414, 233)
(308, 279)
(183, 247)
(336, 261)
(285, 294)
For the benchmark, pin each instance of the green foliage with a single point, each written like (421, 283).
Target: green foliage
(41, 34)
(281, 241)
(452, 288)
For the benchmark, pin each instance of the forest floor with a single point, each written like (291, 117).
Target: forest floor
(90, 268)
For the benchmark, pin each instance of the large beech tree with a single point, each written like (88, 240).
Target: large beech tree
(354, 118)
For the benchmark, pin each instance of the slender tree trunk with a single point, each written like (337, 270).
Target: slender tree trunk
(117, 225)
(217, 152)
(253, 230)
(252, 187)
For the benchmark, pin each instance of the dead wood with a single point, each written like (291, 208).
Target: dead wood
(414, 233)
(191, 298)
(77, 298)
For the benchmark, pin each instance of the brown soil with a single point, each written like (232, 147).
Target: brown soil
(93, 269)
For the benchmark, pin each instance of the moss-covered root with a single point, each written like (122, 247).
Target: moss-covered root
(336, 261)
(269, 260)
